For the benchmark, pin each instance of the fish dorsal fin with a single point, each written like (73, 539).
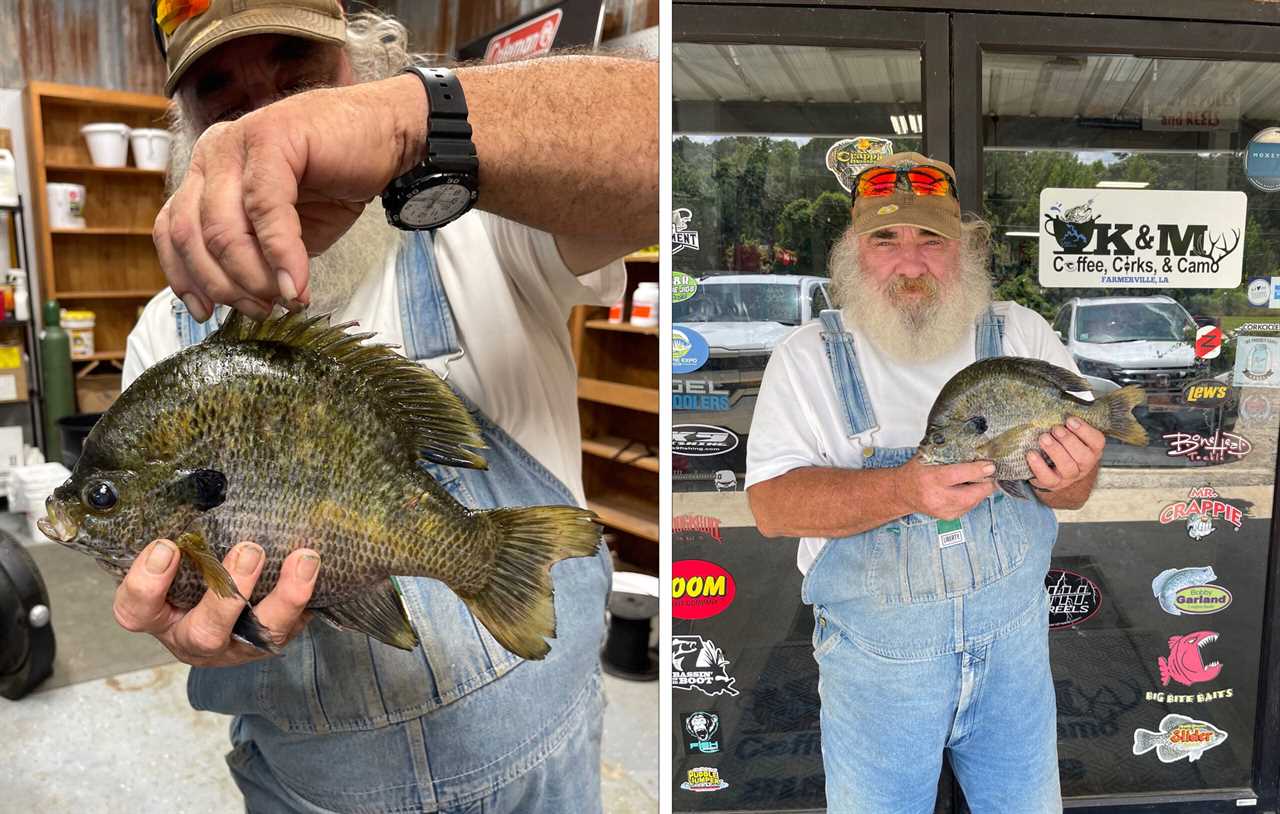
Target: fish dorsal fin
(1059, 377)
(427, 414)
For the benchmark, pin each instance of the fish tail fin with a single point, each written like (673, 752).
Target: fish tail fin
(1119, 421)
(1164, 671)
(517, 604)
(1144, 740)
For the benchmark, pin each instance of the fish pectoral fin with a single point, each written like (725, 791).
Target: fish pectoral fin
(248, 630)
(1004, 446)
(192, 544)
(379, 614)
(1015, 488)
(1168, 754)
(203, 489)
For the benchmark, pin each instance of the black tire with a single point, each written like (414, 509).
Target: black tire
(26, 652)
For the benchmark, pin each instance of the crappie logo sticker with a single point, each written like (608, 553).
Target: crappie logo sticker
(850, 156)
(1073, 598)
(1103, 238)
(1199, 512)
(1178, 737)
(689, 351)
(702, 440)
(1205, 393)
(1215, 449)
(701, 728)
(1189, 591)
(695, 528)
(696, 663)
(704, 778)
(700, 589)
(1257, 362)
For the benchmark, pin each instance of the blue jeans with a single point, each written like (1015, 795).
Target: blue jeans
(886, 719)
(559, 772)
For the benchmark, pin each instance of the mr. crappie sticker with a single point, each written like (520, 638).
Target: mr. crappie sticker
(850, 156)
(689, 351)
(1127, 238)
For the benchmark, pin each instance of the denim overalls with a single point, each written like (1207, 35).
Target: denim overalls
(341, 722)
(927, 639)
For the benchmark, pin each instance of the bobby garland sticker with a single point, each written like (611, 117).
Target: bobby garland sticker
(1199, 511)
(1257, 362)
(1189, 590)
(701, 727)
(1124, 238)
(704, 778)
(1073, 597)
(696, 663)
(1214, 449)
(1178, 737)
(682, 237)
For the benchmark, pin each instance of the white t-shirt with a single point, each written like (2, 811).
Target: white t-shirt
(799, 421)
(510, 293)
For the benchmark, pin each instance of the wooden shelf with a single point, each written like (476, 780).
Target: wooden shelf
(625, 327)
(611, 448)
(630, 396)
(102, 230)
(54, 166)
(641, 257)
(627, 515)
(128, 294)
(100, 356)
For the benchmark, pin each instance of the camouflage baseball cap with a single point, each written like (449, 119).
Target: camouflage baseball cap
(905, 206)
(189, 29)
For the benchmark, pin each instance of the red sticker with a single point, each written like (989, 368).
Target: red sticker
(1208, 342)
(700, 589)
(532, 39)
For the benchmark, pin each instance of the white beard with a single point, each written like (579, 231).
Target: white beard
(336, 274)
(910, 331)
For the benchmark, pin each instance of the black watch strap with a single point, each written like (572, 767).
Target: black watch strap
(449, 145)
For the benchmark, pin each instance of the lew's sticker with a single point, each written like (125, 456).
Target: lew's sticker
(702, 440)
(1124, 238)
(1073, 597)
(696, 663)
(1188, 590)
(1205, 393)
(850, 156)
(689, 351)
(532, 39)
(1257, 362)
(700, 589)
(682, 237)
(695, 528)
(1185, 663)
(1178, 737)
(701, 727)
(1202, 506)
(704, 778)
(1214, 449)
(683, 286)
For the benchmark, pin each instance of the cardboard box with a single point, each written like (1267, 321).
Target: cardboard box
(95, 392)
(13, 374)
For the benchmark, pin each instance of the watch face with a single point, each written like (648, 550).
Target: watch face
(435, 204)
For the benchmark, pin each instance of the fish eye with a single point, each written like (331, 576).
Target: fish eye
(938, 438)
(100, 495)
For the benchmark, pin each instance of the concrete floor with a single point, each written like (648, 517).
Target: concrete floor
(129, 741)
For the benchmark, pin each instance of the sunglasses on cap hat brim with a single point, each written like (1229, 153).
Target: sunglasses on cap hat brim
(920, 179)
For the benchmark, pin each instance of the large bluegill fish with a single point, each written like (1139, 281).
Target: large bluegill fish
(293, 433)
(996, 410)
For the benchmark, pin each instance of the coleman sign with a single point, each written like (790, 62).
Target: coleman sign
(529, 39)
(1127, 238)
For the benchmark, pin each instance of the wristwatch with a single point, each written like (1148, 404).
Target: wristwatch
(446, 183)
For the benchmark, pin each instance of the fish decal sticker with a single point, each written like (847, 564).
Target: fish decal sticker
(1178, 737)
(1185, 664)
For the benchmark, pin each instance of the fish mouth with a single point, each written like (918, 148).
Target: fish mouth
(57, 526)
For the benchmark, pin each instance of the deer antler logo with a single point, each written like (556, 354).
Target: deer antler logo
(1215, 247)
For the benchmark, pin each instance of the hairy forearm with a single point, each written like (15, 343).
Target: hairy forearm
(1074, 496)
(567, 144)
(824, 502)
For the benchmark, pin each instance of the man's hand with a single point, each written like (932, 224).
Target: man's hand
(282, 183)
(201, 636)
(946, 491)
(1074, 449)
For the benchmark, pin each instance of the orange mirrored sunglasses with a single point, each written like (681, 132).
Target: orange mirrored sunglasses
(918, 178)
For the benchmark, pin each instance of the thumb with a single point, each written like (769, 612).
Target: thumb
(953, 474)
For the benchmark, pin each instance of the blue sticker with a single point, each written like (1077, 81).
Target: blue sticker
(689, 350)
(1262, 160)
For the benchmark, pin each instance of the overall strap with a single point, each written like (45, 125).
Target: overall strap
(850, 389)
(989, 340)
(426, 321)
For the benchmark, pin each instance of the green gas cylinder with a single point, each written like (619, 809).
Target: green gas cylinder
(55, 375)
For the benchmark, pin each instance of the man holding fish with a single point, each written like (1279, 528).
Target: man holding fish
(290, 118)
(923, 550)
